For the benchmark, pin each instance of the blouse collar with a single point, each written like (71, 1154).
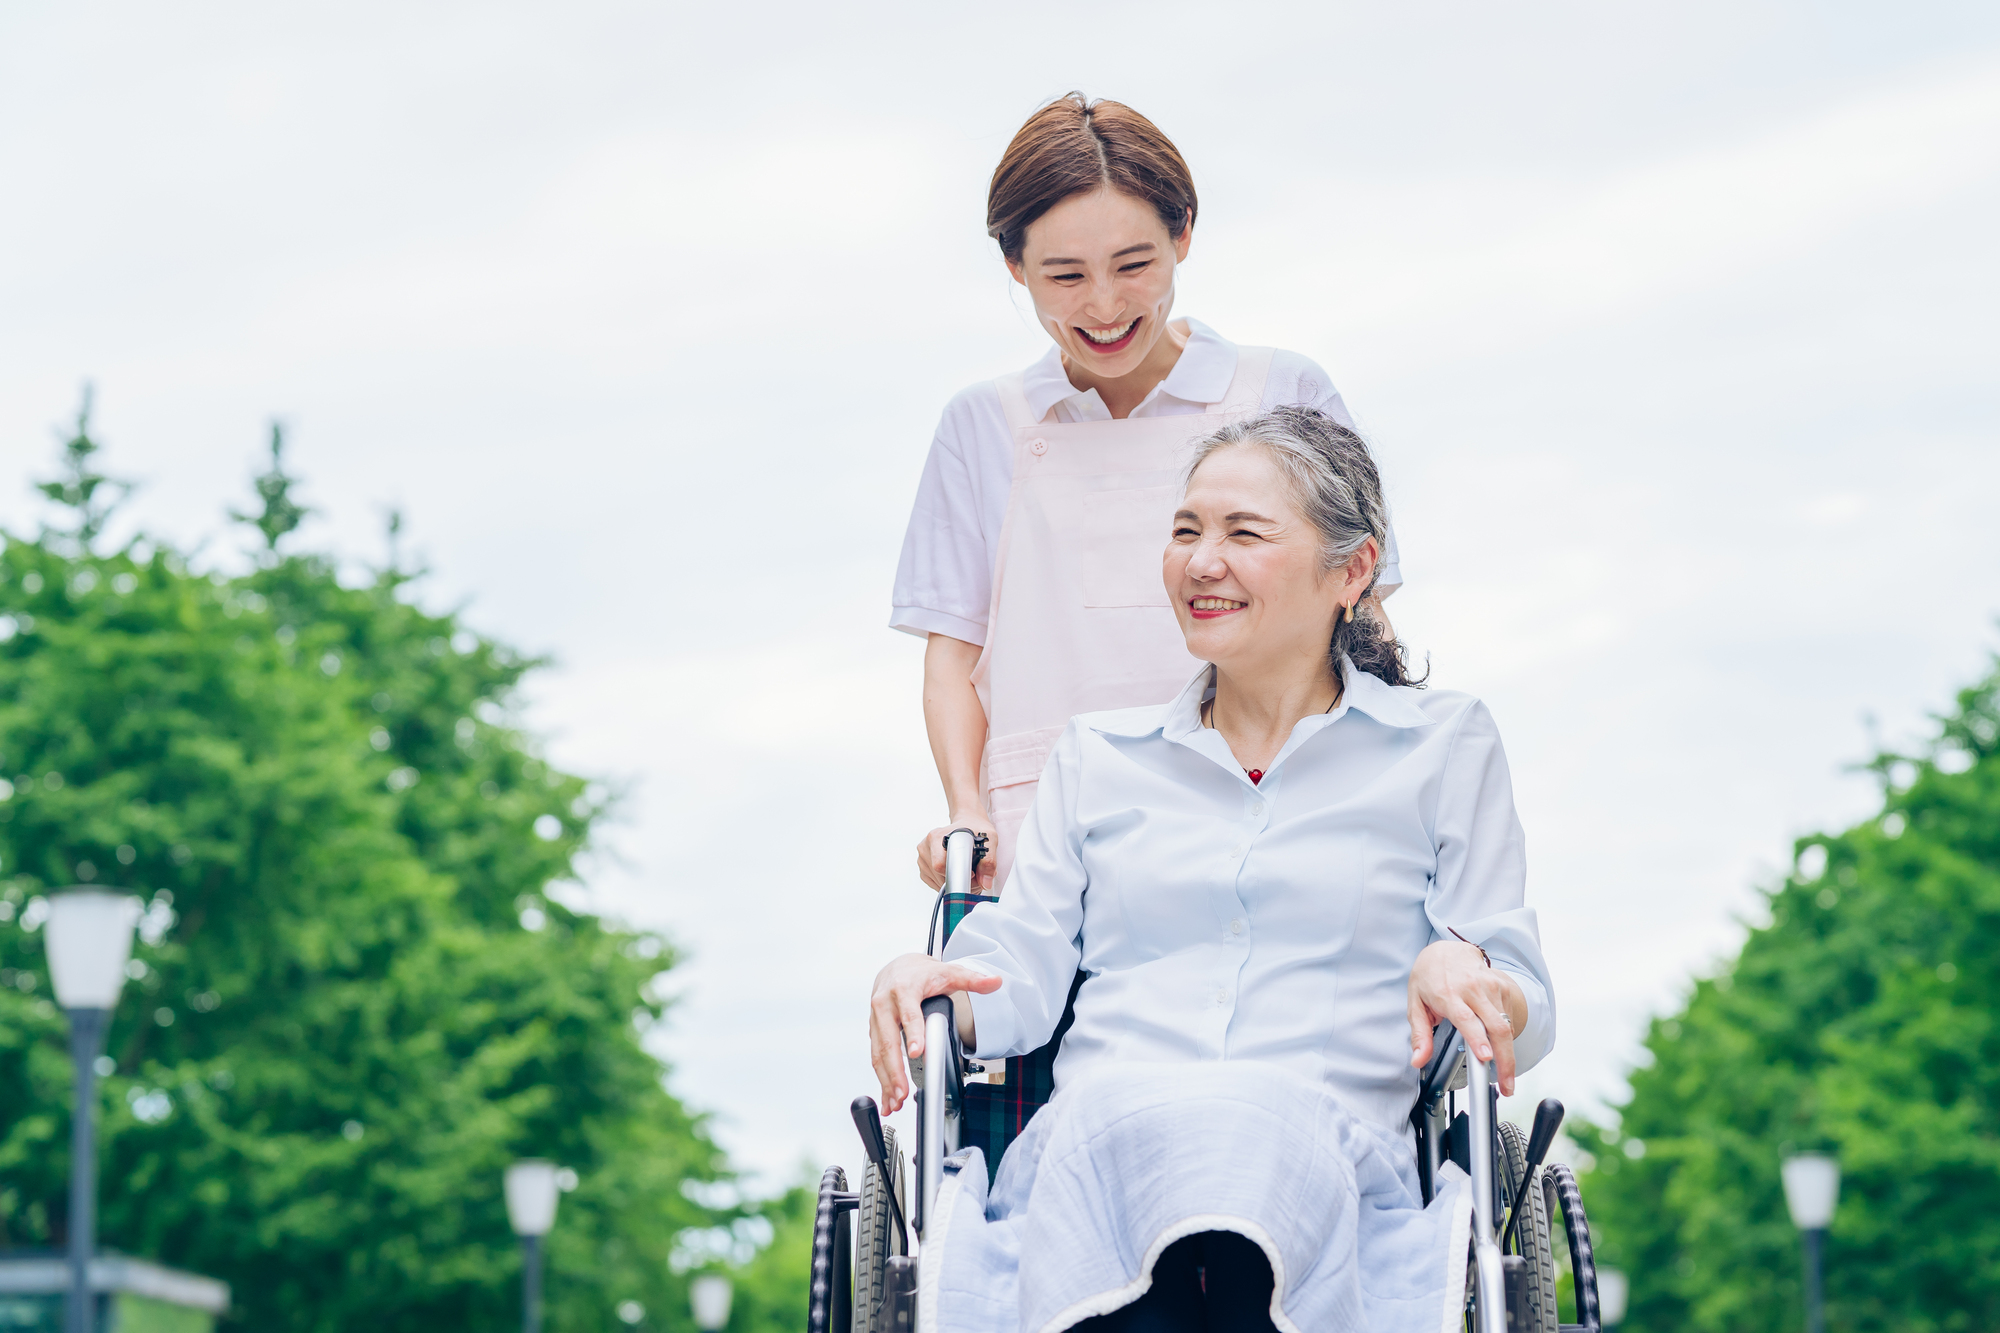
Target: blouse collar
(1202, 375)
(1181, 719)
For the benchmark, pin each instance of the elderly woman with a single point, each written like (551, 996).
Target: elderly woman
(1275, 885)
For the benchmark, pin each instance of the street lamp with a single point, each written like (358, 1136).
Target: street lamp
(1812, 1188)
(89, 941)
(709, 1294)
(532, 1190)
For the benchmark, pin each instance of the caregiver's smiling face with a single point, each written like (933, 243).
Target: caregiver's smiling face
(1243, 567)
(1100, 269)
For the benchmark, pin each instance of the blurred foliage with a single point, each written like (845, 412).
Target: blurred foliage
(90, 496)
(355, 999)
(1864, 1021)
(281, 514)
(773, 1288)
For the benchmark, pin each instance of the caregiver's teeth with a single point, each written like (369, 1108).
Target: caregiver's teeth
(1110, 335)
(1216, 604)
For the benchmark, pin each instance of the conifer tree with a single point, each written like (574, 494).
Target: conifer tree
(91, 495)
(280, 514)
(361, 987)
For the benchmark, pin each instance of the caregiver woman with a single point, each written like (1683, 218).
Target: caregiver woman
(1031, 560)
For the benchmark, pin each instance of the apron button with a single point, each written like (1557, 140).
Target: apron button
(1038, 447)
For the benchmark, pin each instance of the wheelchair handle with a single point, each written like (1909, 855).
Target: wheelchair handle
(962, 852)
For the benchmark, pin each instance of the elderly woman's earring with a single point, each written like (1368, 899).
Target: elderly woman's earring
(1350, 614)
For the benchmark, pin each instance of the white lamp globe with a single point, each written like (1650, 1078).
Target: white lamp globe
(89, 941)
(1612, 1289)
(1812, 1188)
(709, 1294)
(532, 1191)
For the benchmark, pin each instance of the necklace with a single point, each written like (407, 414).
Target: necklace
(1256, 775)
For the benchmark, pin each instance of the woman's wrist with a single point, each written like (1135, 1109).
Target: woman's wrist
(1514, 1000)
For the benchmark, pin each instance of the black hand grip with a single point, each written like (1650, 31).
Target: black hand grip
(868, 1119)
(937, 1004)
(1548, 1119)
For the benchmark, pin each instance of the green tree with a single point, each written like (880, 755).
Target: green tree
(88, 494)
(1863, 1020)
(772, 1288)
(356, 997)
(281, 514)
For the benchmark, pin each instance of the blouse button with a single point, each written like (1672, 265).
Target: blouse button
(1257, 809)
(1038, 447)
(1222, 995)
(1236, 926)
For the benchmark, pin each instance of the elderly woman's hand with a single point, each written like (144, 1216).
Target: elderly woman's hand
(896, 1014)
(1452, 980)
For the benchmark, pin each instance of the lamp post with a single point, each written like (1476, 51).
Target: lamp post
(709, 1294)
(532, 1190)
(1812, 1189)
(89, 941)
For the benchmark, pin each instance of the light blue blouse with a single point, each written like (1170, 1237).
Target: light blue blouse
(1219, 919)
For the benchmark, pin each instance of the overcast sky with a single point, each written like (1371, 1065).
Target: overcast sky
(1672, 323)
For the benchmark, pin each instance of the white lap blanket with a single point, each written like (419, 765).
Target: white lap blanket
(1133, 1157)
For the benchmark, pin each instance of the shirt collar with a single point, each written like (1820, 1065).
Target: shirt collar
(1380, 700)
(1203, 375)
(1178, 720)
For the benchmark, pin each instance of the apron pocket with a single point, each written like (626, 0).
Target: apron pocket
(1125, 535)
(1021, 757)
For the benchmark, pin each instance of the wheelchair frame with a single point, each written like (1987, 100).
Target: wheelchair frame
(1497, 1294)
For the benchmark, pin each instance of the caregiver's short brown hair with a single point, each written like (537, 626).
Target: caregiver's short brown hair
(1074, 146)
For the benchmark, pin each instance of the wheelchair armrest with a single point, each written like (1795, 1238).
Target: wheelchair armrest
(954, 1055)
(940, 1080)
(1445, 1071)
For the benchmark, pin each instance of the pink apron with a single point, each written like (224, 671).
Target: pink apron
(1080, 620)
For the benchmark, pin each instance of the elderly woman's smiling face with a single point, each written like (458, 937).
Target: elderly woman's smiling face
(1244, 568)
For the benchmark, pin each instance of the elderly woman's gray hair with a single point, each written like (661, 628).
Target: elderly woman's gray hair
(1332, 480)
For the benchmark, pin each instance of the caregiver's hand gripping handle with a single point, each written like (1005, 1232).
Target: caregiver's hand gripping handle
(896, 1018)
(934, 856)
(1453, 980)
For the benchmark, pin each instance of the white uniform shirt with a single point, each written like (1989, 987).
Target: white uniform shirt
(1217, 919)
(944, 582)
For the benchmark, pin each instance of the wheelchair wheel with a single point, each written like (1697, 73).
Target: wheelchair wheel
(875, 1240)
(1532, 1239)
(830, 1304)
(1560, 1192)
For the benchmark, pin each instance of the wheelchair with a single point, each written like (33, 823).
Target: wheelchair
(864, 1274)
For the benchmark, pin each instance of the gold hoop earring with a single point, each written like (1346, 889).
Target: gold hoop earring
(1350, 615)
